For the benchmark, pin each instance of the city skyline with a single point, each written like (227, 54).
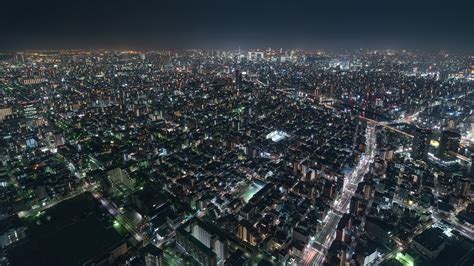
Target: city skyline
(236, 133)
(241, 157)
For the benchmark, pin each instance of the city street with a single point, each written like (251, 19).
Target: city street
(316, 249)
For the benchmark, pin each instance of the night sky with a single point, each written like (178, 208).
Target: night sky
(50, 24)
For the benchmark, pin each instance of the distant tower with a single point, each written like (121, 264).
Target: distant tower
(421, 143)
(20, 57)
(443, 75)
(238, 56)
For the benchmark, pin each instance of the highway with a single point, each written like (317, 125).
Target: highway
(315, 251)
(385, 125)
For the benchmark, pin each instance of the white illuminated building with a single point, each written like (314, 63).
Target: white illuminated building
(277, 135)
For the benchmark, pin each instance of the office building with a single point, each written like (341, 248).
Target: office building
(421, 143)
(449, 143)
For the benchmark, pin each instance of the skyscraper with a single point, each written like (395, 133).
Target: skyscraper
(238, 78)
(449, 142)
(421, 143)
(354, 205)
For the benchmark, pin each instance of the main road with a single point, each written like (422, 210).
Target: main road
(315, 251)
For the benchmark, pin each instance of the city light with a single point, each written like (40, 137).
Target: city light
(257, 156)
(405, 259)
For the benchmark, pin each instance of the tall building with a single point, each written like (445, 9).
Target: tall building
(449, 142)
(4, 112)
(246, 232)
(344, 224)
(205, 243)
(421, 143)
(20, 57)
(471, 168)
(30, 111)
(463, 186)
(443, 75)
(152, 255)
(238, 78)
(354, 205)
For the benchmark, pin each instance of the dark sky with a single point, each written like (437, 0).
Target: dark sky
(40, 24)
